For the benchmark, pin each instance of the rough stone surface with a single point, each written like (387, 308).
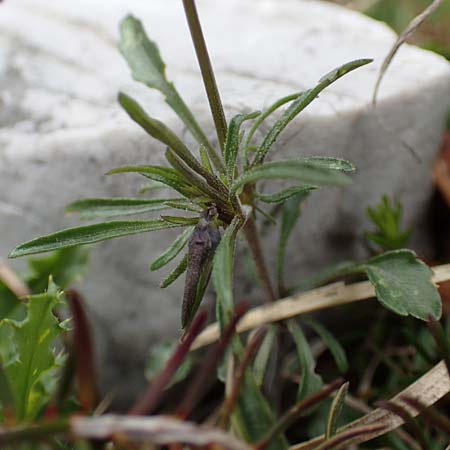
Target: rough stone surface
(61, 130)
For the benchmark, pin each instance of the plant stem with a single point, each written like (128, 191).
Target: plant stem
(251, 234)
(206, 69)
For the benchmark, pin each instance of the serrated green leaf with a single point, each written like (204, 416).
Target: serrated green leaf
(290, 216)
(285, 194)
(222, 274)
(176, 273)
(92, 208)
(88, 234)
(170, 253)
(147, 66)
(165, 175)
(332, 343)
(33, 339)
(157, 360)
(336, 410)
(9, 303)
(233, 142)
(403, 284)
(297, 169)
(310, 382)
(64, 266)
(301, 103)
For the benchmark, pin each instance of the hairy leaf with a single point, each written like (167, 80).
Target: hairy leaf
(33, 339)
(161, 132)
(223, 274)
(301, 103)
(306, 172)
(170, 253)
(147, 66)
(165, 175)
(285, 194)
(233, 141)
(88, 235)
(92, 208)
(176, 273)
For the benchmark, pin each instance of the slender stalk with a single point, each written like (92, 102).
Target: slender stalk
(251, 234)
(206, 69)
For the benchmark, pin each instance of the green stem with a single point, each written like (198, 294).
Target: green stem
(206, 69)
(252, 237)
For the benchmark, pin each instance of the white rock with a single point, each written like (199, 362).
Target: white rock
(61, 130)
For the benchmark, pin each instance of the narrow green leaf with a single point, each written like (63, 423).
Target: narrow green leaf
(170, 253)
(330, 162)
(285, 194)
(332, 343)
(233, 141)
(186, 205)
(290, 216)
(301, 103)
(263, 355)
(265, 114)
(204, 158)
(92, 208)
(147, 66)
(166, 175)
(335, 411)
(159, 131)
(178, 220)
(176, 273)
(88, 235)
(299, 170)
(252, 416)
(212, 190)
(223, 274)
(310, 382)
(34, 339)
(403, 284)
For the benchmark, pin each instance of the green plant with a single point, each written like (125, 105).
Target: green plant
(219, 189)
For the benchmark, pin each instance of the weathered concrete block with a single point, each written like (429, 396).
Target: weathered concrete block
(61, 130)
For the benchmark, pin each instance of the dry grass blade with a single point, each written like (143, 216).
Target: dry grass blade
(10, 279)
(428, 389)
(326, 297)
(160, 430)
(407, 32)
